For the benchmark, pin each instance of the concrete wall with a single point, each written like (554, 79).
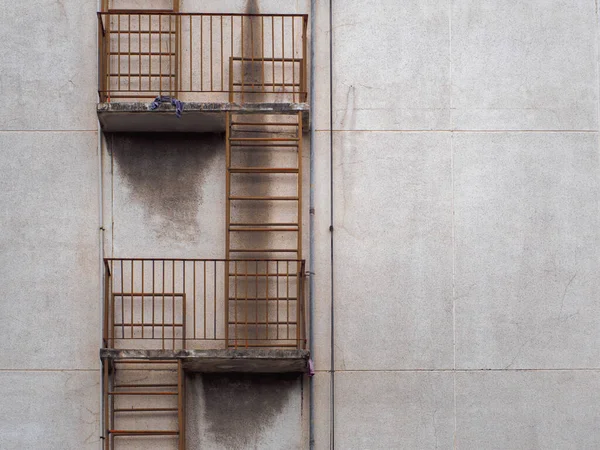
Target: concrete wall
(466, 245)
(49, 238)
(465, 202)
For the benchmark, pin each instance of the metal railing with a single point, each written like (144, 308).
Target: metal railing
(202, 57)
(200, 304)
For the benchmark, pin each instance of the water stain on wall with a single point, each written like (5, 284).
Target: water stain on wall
(239, 408)
(165, 173)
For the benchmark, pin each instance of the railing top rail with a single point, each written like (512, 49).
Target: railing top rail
(161, 12)
(106, 260)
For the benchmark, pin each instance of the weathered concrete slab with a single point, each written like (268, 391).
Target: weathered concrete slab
(196, 117)
(224, 360)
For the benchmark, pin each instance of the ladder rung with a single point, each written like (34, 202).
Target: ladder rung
(263, 139)
(262, 229)
(142, 393)
(264, 224)
(243, 275)
(137, 75)
(159, 325)
(263, 299)
(264, 145)
(144, 432)
(263, 170)
(257, 59)
(144, 385)
(130, 54)
(265, 124)
(263, 323)
(273, 343)
(134, 410)
(257, 85)
(263, 250)
(282, 198)
(139, 31)
(148, 294)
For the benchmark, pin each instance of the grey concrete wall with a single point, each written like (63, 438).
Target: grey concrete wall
(49, 237)
(466, 199)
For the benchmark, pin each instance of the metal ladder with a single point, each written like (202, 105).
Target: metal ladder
(143, 391)
(263, 225)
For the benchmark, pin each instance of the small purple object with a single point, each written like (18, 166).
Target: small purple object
(311, 368)
(178, 104)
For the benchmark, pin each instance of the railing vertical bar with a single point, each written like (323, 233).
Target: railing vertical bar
(251, 19)
(222, 58)
(283, 54)
(267, 299)
(107, 281)
(204, 317)
(179, 56)
(212, 86)
(194, 296)
(201, 53)
(278, 298)
(273, 50)
(112, 309)
(129, 51)
(108, 39)
(262, 55)
(163, 305)
(173, 310)
(132, 291)
(122, 304)
(118, 52)
(287, 287)
(256, 297)
(153, 296)
(143, 323)
(170, 50)
(107, 426)
(305, 59)
(231, 62)
(160, 66)
(215, 300)
(235, 303)
(180, 406)
(184, 300)
(150, 59)
(299, 187)
(299, 317)
(293, 61)
(242, 65)
(246, 302)
(140, 52)
(191, 62)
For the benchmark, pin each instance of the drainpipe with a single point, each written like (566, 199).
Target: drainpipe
(311, 264)
(100, 250)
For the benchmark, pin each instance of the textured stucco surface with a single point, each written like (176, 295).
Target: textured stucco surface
(465, 235)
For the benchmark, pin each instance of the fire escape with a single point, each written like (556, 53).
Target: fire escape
(246, 75)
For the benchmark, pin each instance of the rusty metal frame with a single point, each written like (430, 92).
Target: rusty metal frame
(180, 303)
(112, 388)
(115, 39)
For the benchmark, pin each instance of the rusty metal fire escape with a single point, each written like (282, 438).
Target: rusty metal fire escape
(161, 309)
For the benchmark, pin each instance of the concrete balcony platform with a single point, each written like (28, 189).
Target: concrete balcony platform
(116, 117)
(223, 360)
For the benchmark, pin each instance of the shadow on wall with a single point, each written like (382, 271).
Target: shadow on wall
(239, 411)
(165, 173)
